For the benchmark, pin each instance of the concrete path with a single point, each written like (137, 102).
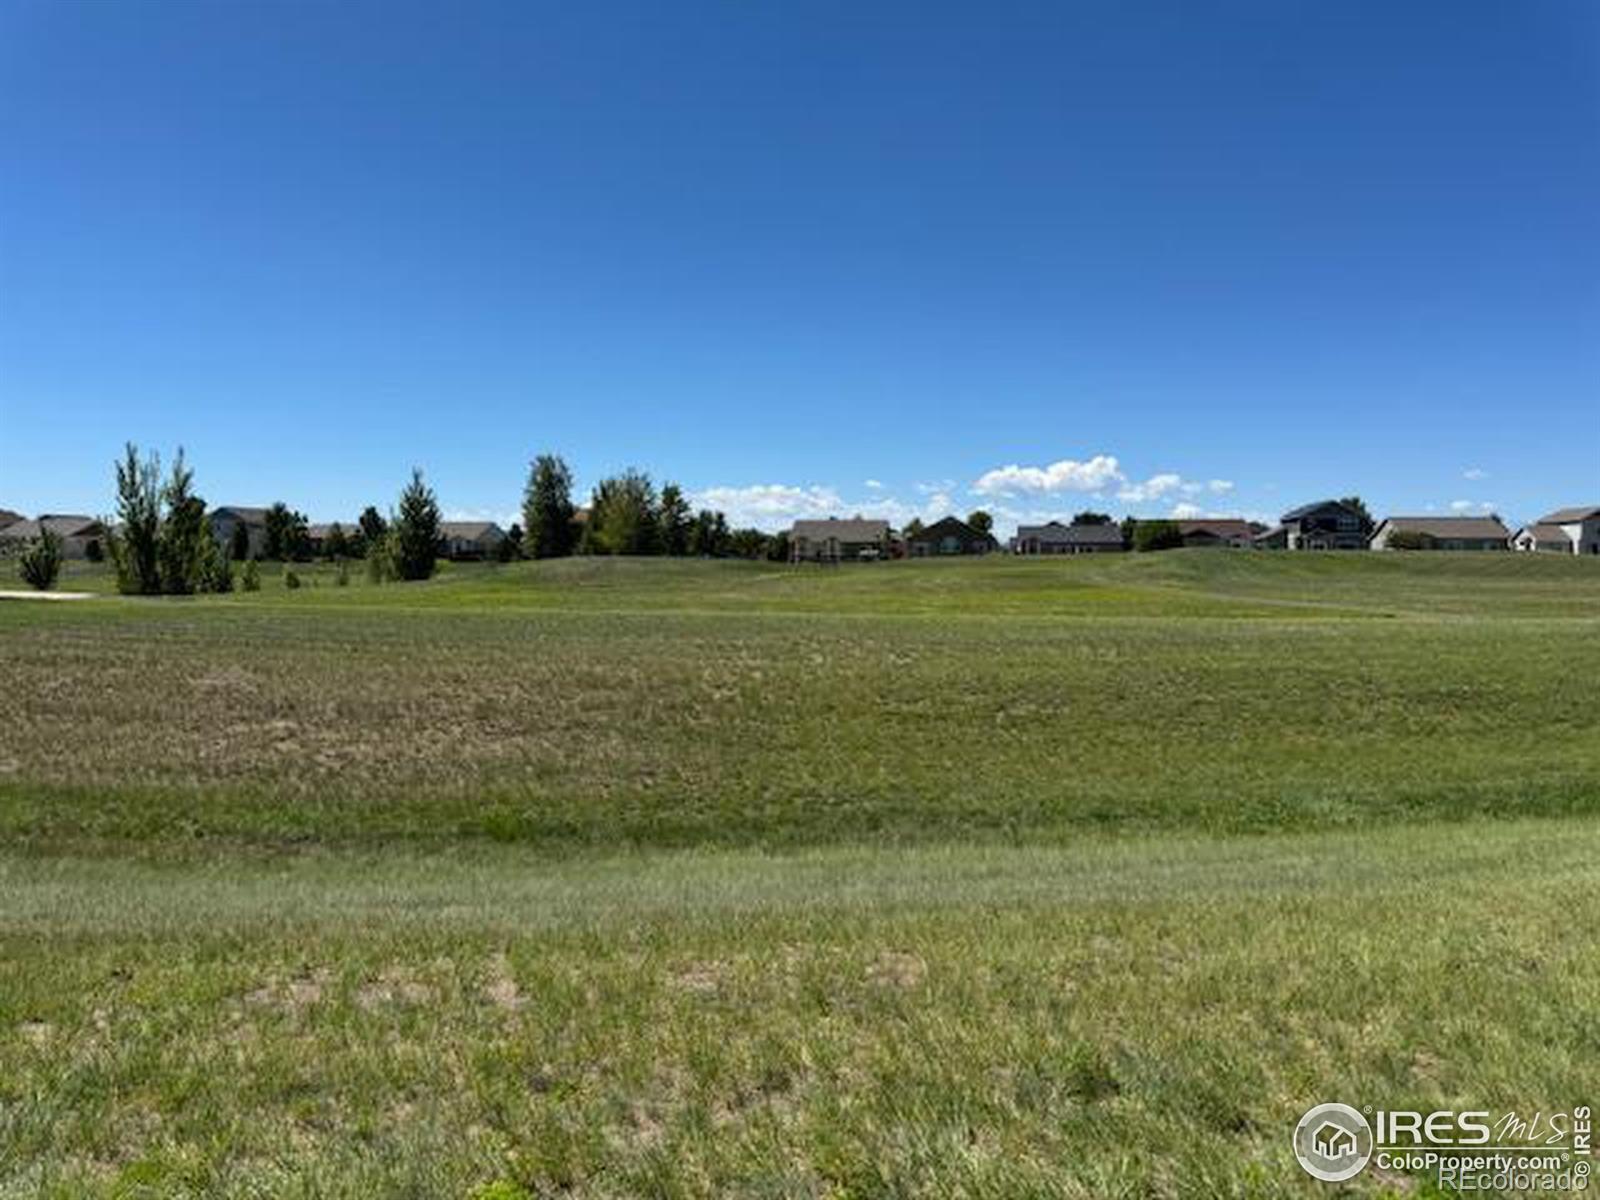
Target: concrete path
(46, 595)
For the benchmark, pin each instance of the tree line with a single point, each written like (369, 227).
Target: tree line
(627, 514)
(162, 541)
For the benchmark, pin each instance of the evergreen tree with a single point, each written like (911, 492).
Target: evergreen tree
(373, 528)
(185, 543)
(288, 536)
(980, 521)
(336, 546)
(547, 509)
(416, 530)
(136, 544)
(674, 521)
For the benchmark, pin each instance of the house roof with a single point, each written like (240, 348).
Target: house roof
(470, 531)
(1569, 516)
(1071, 535)
(1449, 527)
(62, 525)
(950, 527)
(1222, 527)
(248, 515)
(1306, 510)
(859, 529)
(1546, 533)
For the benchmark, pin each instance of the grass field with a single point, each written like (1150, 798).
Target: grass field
(1077, 878)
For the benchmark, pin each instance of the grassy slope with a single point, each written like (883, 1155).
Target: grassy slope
(649, 704)
(1128, 1019)
(1117, 1003)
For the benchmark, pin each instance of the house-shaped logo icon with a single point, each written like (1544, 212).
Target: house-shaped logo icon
(1334, 1141)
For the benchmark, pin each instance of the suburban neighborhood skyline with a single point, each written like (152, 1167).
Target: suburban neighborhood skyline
(1014, 494)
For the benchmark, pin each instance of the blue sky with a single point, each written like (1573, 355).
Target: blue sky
(807, 258)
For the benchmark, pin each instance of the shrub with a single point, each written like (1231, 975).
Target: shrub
(291, 580)
(380, 560)
(219, 574)
(250, 577)
(1410, 539)
(1156, 535)
(40, 563)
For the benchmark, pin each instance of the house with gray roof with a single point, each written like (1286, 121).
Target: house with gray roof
(225, 521)
(1440, 533)
(1322, 525)
(949, 536)
(1565, 531)
(470, 539)
(1055, 538)
(859, 539)
(80, 536)
(1233, 532)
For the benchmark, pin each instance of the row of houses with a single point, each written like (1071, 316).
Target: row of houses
(1323, 525)
(84, 537)
(464, 540)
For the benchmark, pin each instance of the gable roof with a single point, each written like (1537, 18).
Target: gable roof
(1222, 527)
(469, 531)
(1071, 535)
(1447, 527)
(949, 527)
(1569, 516)
(1306, 510)
(62, 525)
(858, 529)
(1545, 533)
(242, 513)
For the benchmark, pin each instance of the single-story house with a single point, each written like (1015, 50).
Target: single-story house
(469, 539)
(1220, 531)
(836, 540)
(318, 534)
(949, 536)
(230, 517)
(1324, 525)
(1055, 538)
(1441, 533)
(80, 536)
(1552, 539)
(1565, 531)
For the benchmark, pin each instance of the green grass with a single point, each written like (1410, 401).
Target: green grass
(1135, 1018)
(1076, 878)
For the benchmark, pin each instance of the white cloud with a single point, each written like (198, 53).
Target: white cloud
(1186, 511)
(1219, 487)
(1153, 488)
(1474, 474)
(1468, 506)
(875, 485)
(1067, 475)
(771, 505)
